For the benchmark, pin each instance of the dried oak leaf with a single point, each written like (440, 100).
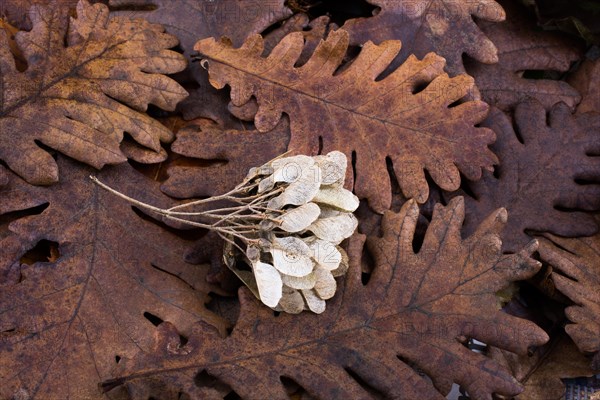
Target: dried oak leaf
(15, 11)
(539, 167)
(235, 152)
(541, 374)
(445, 27)
(88, 81)
(522, 48)
(394, 333)
(191, 20)
(406, 116)
(587, 80)
(65, 325)
(576, 265)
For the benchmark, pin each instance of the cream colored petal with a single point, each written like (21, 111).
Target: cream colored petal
(298, 219)
(291, 169)
(325, 283)
(344, 264)
(315, 304)
(297, 193)
(291, 256)
(266, 184)
(334, 229)
(269, 283)
(333, 167)
(291, 301)
(337, 197)
(325, 254)
(300, 282)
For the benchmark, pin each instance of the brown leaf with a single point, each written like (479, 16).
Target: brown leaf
(15, 11)
(523, 48)
(587, 80)
(539, 167)
(541, 374)
(405, 116)
(191, 20)
(235, 151)
(576, 264)
(445, 27)
(393, 334)
(66, 324)
(88, 80)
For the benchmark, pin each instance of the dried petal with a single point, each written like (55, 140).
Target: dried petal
(269, 283)
(325, 283)
(300, 218)
(333, 168)
(338, 198)
(344, 264)
(335, 229)
(315, 304)
(291, 302)
(300, 282)
(325, 254)
(299, 192)
(291, 256)
(291, 169)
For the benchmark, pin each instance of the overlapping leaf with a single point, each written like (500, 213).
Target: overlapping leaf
(445, 27)
(65, 324)
(409, 317)
(352, 112)
(521, 49)
(587, 80)
(235, 151)
(538, 179)
(576, 264)
(88, 80)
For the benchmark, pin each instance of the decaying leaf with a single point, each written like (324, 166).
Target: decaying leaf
(540, 165)
(576, 264)
(15, 11)
(235, 151)
(66, 324)
(191, 20)
(541, 374)
(587, 80)
(445, 27)
(88, 80)
(521, 49)
(406, 116)
(400, 333)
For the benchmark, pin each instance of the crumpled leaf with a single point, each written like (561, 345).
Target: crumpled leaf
(576, 264)
(521, 48)
(587, 80)
(445, 27)
(353, 113)
(394, 333)
(88, 81)
(66, 324)
(236, 152)
(538, 172)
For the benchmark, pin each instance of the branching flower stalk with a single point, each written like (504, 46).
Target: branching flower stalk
(286, 219)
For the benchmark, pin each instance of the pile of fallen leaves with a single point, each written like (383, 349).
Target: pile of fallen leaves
(473, 142)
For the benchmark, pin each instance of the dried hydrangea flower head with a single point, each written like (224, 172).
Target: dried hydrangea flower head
(286, 219)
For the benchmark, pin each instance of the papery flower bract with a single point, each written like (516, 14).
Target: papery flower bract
(288, 219)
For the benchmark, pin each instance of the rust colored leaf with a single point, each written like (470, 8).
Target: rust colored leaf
(232, 154)
(65, 325)
(88, 80)
(521, 49)
(538, 173)
(406, 116)
(541, 374)
(587, 80)
(576, 264)
(15, 11)
(191, 20)
(392, 334)
(445, 27)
